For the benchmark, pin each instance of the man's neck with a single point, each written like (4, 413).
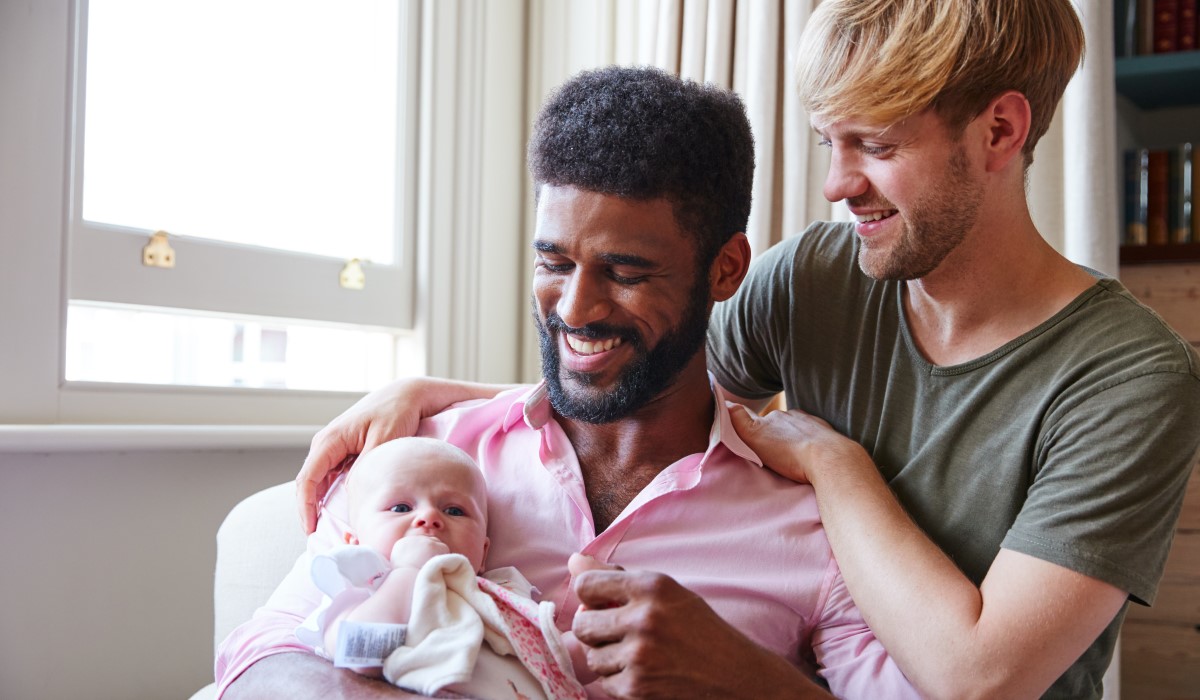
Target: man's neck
(620, 458)
(1002, 282)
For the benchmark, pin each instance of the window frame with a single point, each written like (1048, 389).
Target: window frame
(104, 261)
(39, 49)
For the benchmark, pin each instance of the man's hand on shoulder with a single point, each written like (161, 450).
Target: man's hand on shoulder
(392, 411)
(646, 636)
(795, 444)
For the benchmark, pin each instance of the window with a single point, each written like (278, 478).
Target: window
(459, 200)
(270, 140)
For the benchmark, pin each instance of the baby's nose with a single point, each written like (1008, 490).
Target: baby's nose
(430, 518)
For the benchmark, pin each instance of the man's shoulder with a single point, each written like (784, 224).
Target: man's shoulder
(1118, 325)
(820, 240)
(737, 477)
(823, 255)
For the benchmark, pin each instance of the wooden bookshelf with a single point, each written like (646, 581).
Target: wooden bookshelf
(1162, 80)
(1160, 645)
(1173, 252)
(1160, 85)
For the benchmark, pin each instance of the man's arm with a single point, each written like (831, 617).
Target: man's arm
(295, 675)
(1013, 636)
(390, 412)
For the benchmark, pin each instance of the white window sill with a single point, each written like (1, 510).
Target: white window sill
(119, 438)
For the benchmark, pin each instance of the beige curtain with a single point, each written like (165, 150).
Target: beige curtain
(1075, 183)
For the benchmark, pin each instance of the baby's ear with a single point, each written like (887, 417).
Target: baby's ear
(487, 542)
(350, 538)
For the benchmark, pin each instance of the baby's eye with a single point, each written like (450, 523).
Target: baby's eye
(455, 511)
(401, 508)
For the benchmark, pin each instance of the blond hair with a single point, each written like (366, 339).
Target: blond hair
(885, 60)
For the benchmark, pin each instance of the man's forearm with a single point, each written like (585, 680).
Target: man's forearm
(299, 676)
(1010, 637)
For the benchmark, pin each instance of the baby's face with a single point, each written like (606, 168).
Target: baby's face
(409, 491)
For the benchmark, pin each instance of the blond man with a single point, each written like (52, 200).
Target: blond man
(1011, 433)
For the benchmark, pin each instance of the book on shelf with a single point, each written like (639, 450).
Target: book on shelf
(1180, 209)
(1144, 29)
(1156, 26)
(1165, 32)
(1187, 25)
(1137, 194)
(1125, 28)
(1161, 185)
(1157, 197)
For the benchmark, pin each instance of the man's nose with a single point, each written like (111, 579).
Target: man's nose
(844, 179)
(584, 300)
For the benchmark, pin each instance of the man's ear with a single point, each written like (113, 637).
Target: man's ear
(1006, 120)
(728, 270)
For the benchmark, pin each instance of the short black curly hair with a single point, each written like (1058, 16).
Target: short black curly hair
(643, 133)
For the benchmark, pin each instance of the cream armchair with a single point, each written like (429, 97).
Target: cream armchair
(257, 545)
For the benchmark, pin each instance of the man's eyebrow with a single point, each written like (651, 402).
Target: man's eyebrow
(860, 133)
(623, 259)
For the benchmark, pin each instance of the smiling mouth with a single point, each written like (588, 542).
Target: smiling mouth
(591, 347)
(875, 216)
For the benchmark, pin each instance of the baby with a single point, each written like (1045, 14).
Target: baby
(411, 500)
(403, 599)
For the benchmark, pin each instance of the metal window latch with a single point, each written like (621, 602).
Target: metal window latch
(352, 275)
(158, 253)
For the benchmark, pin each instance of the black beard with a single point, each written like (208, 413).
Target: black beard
(651, 371)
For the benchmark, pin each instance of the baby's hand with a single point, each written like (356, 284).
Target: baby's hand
(415, 550)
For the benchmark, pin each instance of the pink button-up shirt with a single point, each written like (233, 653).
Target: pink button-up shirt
(746, 540)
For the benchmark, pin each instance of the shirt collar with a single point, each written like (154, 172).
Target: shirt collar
(532, 407)
(722, 429)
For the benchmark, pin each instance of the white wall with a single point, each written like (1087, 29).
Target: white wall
(108, 564)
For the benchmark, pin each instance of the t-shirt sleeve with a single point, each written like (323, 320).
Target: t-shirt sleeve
(1111, 480)
(748, 333)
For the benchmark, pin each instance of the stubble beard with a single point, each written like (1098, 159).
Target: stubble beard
(934, 228)
(648, 374)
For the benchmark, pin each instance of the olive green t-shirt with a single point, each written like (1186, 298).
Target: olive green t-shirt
(1072, 443)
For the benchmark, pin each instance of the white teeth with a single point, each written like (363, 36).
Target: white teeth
(865, 218)
(591, 347)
